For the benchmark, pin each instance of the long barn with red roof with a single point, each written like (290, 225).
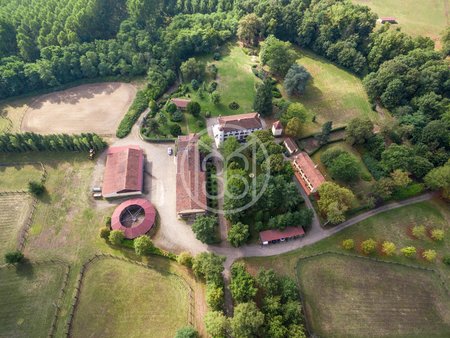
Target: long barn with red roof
(124, 172)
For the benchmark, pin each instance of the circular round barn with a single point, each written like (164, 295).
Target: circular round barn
(134, 217)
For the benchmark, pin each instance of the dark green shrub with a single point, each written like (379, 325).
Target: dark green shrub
(14, 257)
(217, 56)
(212, 86)
(195, 85)
(446, 260)
(177, 116)
(234, 105)
(36, 188)
(175, 130)
(104, 232)
(171, 108)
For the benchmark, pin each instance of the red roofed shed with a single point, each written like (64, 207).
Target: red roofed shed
(181, 103)
(269, 236)
(136, 228)
(124, 172)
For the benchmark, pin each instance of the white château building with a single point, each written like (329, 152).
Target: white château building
(238, 126)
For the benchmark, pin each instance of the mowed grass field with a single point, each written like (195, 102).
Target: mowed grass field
(415, 17)
(333, 94)
(14, 211)
(16, 177)
(352, 297)
(235, 79)
(120, 299)
(28, 296)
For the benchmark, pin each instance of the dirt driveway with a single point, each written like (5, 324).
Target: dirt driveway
(95, 108)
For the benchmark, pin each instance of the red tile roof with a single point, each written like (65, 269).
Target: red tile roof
(274, 235)
(290, 145)
(191, 187)
(306, 172)
(123, 170)
(277, 125)
(242, 121)
(138, 229)
(181, 103)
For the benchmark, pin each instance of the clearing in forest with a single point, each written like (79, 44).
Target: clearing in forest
(88, 108)
(415, 17)
(121, 299)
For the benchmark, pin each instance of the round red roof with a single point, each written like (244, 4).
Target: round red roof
(139, 229)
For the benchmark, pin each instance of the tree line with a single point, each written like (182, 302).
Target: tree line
(29, 142)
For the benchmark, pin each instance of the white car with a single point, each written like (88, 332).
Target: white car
(169, 151)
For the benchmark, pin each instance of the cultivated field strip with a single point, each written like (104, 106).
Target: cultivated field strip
(15, 210)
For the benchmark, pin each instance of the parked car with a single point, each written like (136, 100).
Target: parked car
(96, 189)
(97, 195)
(169, 151)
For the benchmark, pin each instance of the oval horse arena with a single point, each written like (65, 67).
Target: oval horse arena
(135, 217)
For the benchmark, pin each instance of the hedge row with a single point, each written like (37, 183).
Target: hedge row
(138, 106)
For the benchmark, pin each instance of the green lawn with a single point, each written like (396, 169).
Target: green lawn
(119, 299)
(351, 297)
(333, 94)
(236, 82)
(14, 211)
(16, 177)
(415, 17)
(27, 299)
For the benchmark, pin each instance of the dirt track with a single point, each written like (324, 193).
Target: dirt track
(88, 108)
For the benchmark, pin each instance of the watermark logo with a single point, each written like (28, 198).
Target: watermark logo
(222, 180)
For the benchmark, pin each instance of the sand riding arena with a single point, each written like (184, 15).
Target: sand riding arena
(88, 108)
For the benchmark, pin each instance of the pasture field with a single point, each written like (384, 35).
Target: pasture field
(394, 225)
(333, 93)
(27, 299)
(14, 211)
(415, 17)
(352, 297)
(95, 108)
(65, 223)
(236, 82)
(16, 177)
(120, 299)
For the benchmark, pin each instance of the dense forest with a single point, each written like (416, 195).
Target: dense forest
(45, 44)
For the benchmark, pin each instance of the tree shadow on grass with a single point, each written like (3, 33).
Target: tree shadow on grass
(25, 269)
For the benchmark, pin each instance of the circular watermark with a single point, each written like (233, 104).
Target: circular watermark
(218, 176)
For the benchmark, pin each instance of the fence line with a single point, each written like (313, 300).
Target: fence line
(26, 226)
(98, 256)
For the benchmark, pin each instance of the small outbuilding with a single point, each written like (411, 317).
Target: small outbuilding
(274, 236)
(134, 217)
(277, 128)
(290, 145)
(387, 19)
(181, 103)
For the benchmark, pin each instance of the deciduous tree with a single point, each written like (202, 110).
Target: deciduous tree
(238, 234)
(278, 55)
(247, 320)
(359, 130)
(204, 228)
